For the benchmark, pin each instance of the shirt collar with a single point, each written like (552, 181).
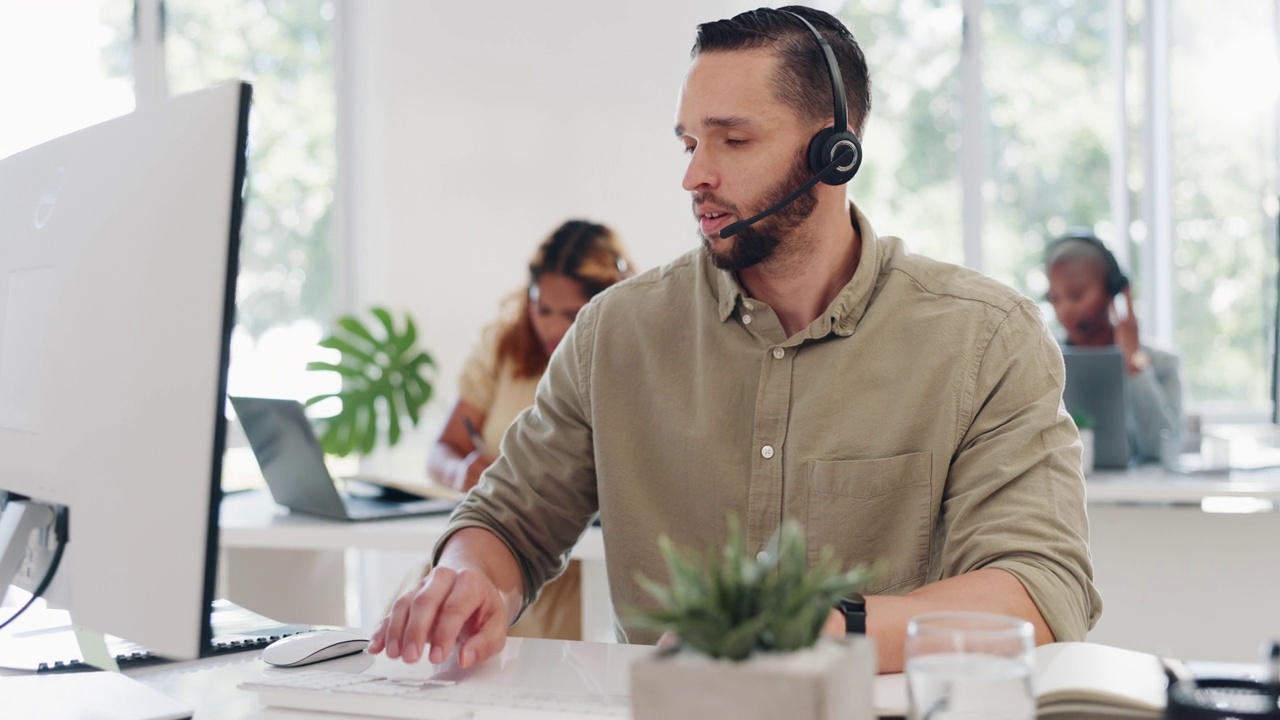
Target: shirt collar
(844, 312)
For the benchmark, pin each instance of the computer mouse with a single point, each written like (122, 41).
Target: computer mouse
(312, 647)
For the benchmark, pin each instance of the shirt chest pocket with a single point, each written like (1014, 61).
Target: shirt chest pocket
(868, 510)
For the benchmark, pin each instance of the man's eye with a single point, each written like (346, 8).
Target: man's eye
(735, 142)
(688, 149)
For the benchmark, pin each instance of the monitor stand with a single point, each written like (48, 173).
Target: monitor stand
(20, 519)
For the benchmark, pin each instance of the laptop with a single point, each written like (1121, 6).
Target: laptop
(292, 462)
(1095, 387)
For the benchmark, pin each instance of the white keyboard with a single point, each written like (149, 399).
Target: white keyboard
(426, 699)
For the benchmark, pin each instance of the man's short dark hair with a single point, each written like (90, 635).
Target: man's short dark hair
(803, 82)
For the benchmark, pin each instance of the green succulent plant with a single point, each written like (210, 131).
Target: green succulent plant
(732, 603)
(382, 377)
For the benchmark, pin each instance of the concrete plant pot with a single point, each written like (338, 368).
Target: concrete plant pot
(833, 680)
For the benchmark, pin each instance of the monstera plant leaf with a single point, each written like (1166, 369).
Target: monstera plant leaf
(382, 377)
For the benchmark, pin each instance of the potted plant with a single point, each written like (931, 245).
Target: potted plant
(747, 631)
(1084, 423)
(383, 383)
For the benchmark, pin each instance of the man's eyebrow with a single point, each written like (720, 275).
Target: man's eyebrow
(730, 122)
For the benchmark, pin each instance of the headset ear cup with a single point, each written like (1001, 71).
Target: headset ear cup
(1118, 282)
(829, 144)
(817, 160)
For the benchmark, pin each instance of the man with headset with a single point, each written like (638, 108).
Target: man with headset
(796, 365)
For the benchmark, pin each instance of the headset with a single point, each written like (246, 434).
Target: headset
(834, 154)
(1115, 281)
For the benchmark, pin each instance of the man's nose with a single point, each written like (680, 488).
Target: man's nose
(700, 173)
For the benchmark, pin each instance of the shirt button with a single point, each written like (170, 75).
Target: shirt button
(766, 451)
(762, 557)
(779, 353)
(746, 319)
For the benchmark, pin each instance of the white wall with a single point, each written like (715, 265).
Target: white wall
(470, 130)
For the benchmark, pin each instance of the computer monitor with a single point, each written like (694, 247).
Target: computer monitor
(118, 259)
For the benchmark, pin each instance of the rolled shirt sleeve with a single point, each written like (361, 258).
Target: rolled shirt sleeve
(541, 511)
(1015, 492)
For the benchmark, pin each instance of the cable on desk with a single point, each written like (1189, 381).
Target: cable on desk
(61, 528)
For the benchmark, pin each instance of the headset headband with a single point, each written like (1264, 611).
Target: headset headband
(833, 68)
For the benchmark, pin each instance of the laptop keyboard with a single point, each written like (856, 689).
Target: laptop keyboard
(369, 694)
(361, 507)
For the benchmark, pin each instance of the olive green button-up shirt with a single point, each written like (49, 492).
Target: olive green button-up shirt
(917, 421)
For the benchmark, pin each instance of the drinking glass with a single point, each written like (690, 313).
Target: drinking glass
(969, 666)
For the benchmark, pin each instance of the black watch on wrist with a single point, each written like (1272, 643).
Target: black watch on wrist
(854, 608)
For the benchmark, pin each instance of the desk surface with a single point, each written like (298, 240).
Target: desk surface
(253, 520)
(1152, 484)
(211, 686)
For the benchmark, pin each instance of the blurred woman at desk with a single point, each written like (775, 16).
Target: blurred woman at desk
(577, 262)
(1090, 295)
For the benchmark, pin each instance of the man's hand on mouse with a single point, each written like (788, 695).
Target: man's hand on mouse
(446, 608)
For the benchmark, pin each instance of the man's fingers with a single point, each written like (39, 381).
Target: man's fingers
(411, 616)
(447, 609)
(377, 643)
(424, 611)
(488, 636)
(468, 597)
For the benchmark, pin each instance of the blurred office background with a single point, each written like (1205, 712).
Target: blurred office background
(413, 153)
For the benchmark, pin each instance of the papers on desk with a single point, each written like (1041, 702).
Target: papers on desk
(1073, 680)
(420, 488)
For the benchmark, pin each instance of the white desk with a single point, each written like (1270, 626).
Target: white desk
(210, 686)
(308, 570)
(252, 520)
(1177, 580)
(1152, 485)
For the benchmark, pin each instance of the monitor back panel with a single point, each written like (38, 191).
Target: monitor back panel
(117, 271)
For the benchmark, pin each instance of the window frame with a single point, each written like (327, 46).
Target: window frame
(1157, 304)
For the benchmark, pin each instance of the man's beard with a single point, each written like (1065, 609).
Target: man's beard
(757, 243)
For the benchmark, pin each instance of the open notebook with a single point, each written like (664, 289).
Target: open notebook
(1073, 680)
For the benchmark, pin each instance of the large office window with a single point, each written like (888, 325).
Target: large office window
(909, 184)
(1152, 123)
(73, 63)
(1050, 127)
(55, 77)
(287, 283)
(1223, 91)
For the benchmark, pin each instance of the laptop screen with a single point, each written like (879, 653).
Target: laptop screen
(1095, 389)
(289, 454)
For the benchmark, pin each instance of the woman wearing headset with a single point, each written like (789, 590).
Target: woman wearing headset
(1090, 296)
(578, 261)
